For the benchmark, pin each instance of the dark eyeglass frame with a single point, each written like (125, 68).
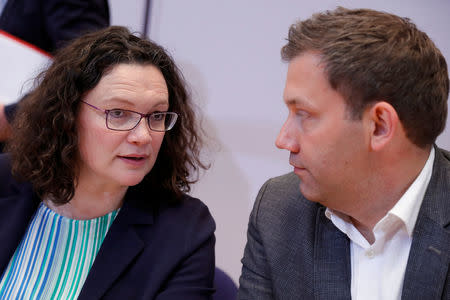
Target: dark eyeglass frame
(147, 116)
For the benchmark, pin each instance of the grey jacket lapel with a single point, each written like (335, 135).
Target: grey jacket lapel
(428, 262)
(332, 273)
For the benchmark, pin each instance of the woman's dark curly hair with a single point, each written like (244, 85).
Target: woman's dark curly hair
(44, 147)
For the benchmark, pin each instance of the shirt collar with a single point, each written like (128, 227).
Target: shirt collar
(407, 208)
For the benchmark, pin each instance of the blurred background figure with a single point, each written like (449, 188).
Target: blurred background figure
(94, 182)
(47, 25)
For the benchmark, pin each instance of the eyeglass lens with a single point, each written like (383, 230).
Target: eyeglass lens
(118, 119)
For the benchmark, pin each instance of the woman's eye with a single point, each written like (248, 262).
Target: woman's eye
(158, 116)
(117, 113)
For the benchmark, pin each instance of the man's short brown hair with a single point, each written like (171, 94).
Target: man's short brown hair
(374, 56)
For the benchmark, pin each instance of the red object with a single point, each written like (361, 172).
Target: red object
(26, 44)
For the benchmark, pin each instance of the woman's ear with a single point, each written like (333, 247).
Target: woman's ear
(384, 121)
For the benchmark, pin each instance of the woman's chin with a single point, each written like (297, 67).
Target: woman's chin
(131, 181)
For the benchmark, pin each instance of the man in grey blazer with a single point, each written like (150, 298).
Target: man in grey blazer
(365, 214)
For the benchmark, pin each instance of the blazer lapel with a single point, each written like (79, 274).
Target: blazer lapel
(16, 212)
(121, 245)
(428, 260)
(332, 274)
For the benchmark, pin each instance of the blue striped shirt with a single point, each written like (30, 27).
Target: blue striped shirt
(54, 257)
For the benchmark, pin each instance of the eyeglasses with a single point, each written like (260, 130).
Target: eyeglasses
(125, 120)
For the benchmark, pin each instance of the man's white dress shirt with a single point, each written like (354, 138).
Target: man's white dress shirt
(378, 270)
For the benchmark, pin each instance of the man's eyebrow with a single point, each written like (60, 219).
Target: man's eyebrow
(291, 101)
(298, 101)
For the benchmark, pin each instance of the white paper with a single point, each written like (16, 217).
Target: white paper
(20, 63)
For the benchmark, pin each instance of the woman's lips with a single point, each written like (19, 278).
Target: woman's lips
(134, 160)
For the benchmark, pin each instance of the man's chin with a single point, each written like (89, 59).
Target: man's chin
(309, 193)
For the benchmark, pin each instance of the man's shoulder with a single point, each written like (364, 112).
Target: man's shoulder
(443, 157)
(436, 200)
(280, 201)
(289, 180)
(286, 186)
(283, 190)
(440, 180)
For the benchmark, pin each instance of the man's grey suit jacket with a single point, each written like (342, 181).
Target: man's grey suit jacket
(295, 252)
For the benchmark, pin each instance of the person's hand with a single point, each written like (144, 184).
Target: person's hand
(5, 127)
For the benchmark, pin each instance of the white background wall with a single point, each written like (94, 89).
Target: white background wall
(229, 54)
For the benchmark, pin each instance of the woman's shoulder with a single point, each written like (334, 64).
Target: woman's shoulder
(8, 182)
(189, 203)
(188, 211)
(181, 213)
(188, 220)
(12, 191)
(180, 226)
(5, 163)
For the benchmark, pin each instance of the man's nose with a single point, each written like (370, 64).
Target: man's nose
(287, 139)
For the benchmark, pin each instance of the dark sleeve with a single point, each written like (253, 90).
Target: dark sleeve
(193, 278)
(255, 281)
(68, 19)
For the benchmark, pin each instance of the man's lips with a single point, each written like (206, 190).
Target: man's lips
(300, 171)
(297, 168)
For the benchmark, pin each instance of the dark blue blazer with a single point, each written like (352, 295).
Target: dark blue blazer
(153, 250)
(48, 24)
(294, 251)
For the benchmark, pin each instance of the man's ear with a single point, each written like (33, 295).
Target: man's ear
(383, 120)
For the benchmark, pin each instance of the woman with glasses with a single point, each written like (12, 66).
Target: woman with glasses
(92, 193)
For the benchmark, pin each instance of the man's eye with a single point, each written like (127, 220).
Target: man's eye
(302, 114)
(117, 113)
